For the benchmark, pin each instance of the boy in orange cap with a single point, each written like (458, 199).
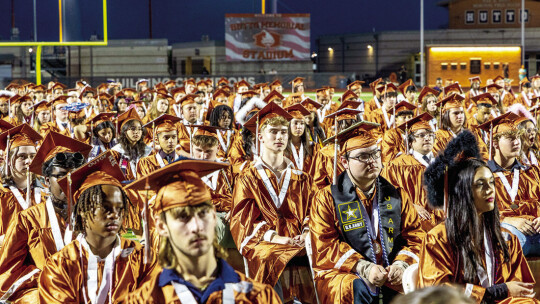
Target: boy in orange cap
(193, 267)
(407, 170)
(517, 188)
(39, 231)
(355, 225)
(382, 116)
(19, 190)
(266, 192)
(99, 266)
(165, 137)
(393, 140)
(60, 122)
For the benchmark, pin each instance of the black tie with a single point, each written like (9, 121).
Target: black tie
(426, 158)
(64, 124)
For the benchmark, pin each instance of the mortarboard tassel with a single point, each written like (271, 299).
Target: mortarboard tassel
(257, 137)
(70, 203)
(7, 163)
(335, 151)
(146, 231)
(28, 188)
(490, 140)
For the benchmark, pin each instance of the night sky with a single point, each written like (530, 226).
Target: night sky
(181, 21)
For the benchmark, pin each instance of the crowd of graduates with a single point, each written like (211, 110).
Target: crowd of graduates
(202, 192)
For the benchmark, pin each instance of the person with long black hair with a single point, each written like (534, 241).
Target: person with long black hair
(222, 116)
(470, 249)
(299, 149)
(102, 134)
(131, 147)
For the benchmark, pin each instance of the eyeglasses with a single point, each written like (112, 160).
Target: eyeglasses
(135, 129)
(531, 130)
(429, 135)
(365, 157)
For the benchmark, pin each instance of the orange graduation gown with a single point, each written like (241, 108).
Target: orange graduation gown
(334, 259)
(322, 169)
(392, 145)
(10, 205)
(256, 216)
(438, 265)
(65, 279)
(29, 242)
(407, 172)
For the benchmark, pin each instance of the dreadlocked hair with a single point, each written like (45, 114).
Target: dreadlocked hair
(87, 203)
(166, 255)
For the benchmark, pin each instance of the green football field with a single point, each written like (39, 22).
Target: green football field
(365, 96)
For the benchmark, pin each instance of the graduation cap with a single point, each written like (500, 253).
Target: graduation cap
(503, 123)
(241, 83)
(76, 110)
(171, 82)
(164, 123)
(387, 88)
(160, 86)
(499, 77)
(298, 111)
(348, 95)
(249, 94)
(452, 88)
(403, 87)
(223, 81)
(344, 114)
(21, 135)
(188, 99)
(58, 85)
(420, 122)
(450, 102)
(402, 106)
(356, 83)
(275, 83)
(4, 126)
(296, 81)
(356, 136)
(475, 79)
(271, 110)
(12, 86)
(58, 101)
(189, 81)
(493, 88)
(426, 91)
(143, 80)
(86, 90)
(123, 118)
(53, 144)
(220, 92)
(349, 104)
(311, 105)
(40, 88)
(484, 98)
(373, 85)
(129, 92)
(102, 170)
(177, 184)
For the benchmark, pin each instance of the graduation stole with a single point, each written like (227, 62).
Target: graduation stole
(355, 222)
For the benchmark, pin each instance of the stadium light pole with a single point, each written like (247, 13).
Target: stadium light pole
(35, 20)
(422, 63)
(522, 17)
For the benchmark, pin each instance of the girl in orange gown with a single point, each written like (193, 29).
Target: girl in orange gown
(470, 249)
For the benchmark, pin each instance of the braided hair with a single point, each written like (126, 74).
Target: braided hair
(88, 202)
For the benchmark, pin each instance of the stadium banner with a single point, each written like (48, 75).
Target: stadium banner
(269, 37)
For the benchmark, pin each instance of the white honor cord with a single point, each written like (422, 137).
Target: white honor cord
(59, 241)
(268, 185)
(224, 146)
(160, 161)
(511, 190)
(105, 288)
(211, 180)
(21, 200)
(298, 156)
